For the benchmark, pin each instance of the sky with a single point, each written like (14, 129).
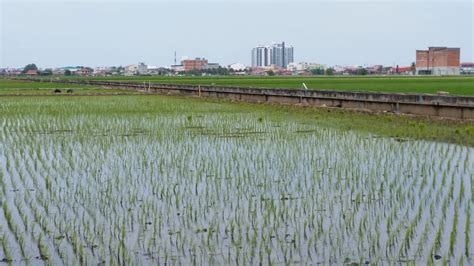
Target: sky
(120, 32)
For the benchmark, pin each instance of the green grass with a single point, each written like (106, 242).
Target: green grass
(462, 85)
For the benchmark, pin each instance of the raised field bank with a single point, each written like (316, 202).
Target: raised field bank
(151, 179)
(453, 85)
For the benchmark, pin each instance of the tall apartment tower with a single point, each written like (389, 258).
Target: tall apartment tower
(276, 54)
(260, 56)
(289, 56)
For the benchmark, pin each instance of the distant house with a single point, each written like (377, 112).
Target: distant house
(403, 70)
(15, 72)
(467, 68)
(237, 67)
(100, 71)
(58, 71)
(259, 71)
(85, 71)
(210, 66)
(131, 70)
(142, 68)
(374, 70)
(177, 68)
(31, 72)
(136, 69)
(284, 72)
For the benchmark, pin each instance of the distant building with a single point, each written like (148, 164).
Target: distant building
(303, 66)
(210, 66)
(85, 71)
(101, 71)
(400, 70)
(177, 68)
(467, 68)
(73, 70)
(375, 69)
(58, 71)
(136, 69)
(131, 70)
(276, 54)
(142, 68)
(32, 72)
(438, 61)
(260, 56)
(14, 71)
(281, 55)
(237, 67)
(193, 64)
(259, 71)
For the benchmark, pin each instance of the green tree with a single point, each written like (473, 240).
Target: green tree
(271, 73)
(413, 68)
(361, 71)
(47, 72)
(29, 67)
(67, 72)
(330, 71)
(317, 71)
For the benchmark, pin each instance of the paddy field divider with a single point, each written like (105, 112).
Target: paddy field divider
(443, 106)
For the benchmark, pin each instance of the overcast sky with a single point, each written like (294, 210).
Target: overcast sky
(106, 32)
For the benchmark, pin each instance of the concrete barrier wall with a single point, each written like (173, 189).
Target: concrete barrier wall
(457, 107)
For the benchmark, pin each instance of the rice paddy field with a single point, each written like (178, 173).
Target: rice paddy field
(147, 180)
(455, 85)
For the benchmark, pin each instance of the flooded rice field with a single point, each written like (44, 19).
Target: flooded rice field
(180, 185)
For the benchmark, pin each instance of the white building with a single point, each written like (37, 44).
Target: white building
(136, 69)
(237, 67)
(131, 70)
(302, 66)
(177, 68)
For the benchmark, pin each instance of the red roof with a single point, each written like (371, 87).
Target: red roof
(31, 72)
(401, 69)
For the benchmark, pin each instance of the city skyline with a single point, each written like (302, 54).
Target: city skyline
(98, 33)
(276, 54)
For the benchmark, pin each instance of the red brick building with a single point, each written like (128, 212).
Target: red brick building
(438, 61)
(193, 64)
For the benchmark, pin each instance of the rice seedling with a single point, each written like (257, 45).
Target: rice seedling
(467, 232)
(452, 238)
(169, 180)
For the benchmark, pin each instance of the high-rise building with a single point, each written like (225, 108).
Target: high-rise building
(276, 54)
(288, 56)
(260, 56)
